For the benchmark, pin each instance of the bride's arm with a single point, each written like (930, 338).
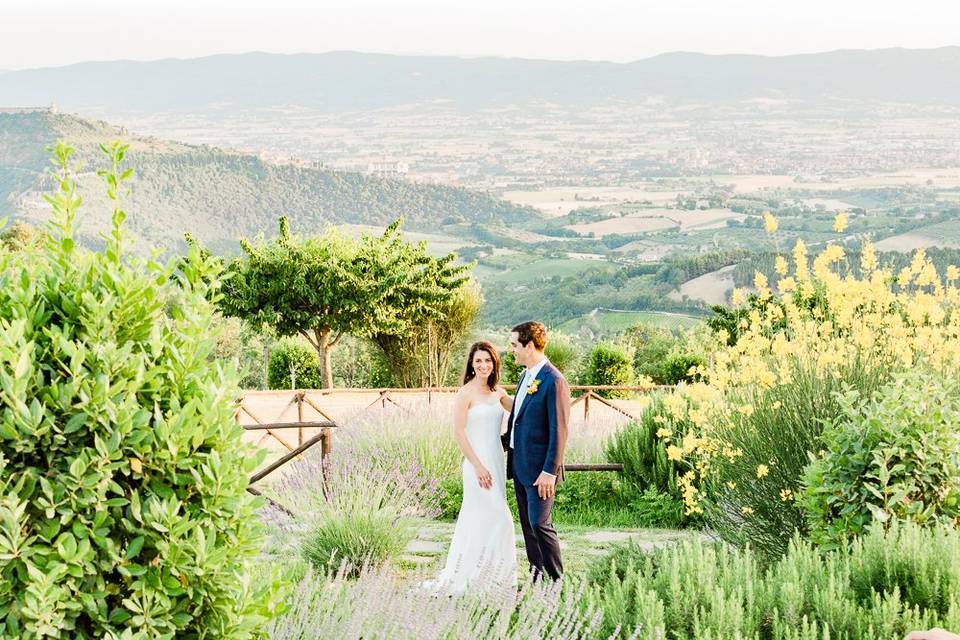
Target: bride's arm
(461, 405)
(505, 400)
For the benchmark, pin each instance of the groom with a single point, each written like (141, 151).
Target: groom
(535, 438)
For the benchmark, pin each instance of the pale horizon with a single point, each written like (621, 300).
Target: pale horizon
(54, 33)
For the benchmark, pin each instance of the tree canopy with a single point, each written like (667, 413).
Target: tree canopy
(324, 287)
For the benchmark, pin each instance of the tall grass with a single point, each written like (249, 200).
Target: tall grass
(777, 435)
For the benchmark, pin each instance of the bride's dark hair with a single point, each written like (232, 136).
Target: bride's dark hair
(494, 377)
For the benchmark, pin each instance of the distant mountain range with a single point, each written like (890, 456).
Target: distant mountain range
(219, 196)
(351, 81)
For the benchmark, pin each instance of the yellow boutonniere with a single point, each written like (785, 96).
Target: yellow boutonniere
(534, 385)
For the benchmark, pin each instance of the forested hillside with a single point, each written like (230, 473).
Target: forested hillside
(217, 195)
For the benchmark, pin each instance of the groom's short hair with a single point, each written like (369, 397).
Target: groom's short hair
(527, 331)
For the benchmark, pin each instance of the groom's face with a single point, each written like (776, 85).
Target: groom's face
(519, 350)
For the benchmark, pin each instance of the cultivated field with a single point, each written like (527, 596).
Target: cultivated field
(561, 201)
(658, 219)
(710, 287)
(606, 320)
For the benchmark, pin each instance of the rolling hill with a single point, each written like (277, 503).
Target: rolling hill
(342, 81)
(218, 195)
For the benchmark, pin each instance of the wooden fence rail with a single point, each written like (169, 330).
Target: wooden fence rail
(299, 397)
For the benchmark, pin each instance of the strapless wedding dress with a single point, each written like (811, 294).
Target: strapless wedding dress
(483, 549)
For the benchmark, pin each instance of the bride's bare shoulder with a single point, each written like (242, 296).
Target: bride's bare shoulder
(463, 395)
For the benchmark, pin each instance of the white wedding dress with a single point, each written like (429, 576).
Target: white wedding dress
(483, 551)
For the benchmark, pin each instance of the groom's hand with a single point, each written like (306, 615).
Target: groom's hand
(546, 485)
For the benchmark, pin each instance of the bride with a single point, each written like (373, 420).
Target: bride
(483, 544)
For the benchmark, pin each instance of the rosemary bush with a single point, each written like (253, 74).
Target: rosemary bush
(877, 588)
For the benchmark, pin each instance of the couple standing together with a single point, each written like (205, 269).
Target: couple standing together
(483, 547)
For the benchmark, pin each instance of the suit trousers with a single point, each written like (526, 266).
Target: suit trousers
(539, 536)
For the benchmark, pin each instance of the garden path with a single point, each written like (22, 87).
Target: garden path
(578, 544)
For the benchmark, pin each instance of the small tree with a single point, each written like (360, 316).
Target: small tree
(423, 356)
(325, 287)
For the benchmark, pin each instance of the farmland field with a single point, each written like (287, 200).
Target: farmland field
(613, 321)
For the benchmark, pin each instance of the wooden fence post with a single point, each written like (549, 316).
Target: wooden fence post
(300, 416)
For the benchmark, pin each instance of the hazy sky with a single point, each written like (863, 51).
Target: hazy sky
(36, 33)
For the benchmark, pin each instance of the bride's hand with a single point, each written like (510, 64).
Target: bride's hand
(484, 477)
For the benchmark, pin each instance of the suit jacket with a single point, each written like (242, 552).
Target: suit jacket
(541, 429)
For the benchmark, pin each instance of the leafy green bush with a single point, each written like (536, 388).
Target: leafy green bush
(610, 365)
(654, 509)
(751, 496)
(651, 349)
(878, 588)
(643, 453)
(124, 511)
(291, 360)
(563, 354)
(676, 369)
(895, 456)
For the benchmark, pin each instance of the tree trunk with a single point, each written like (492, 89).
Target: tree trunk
(327, 367)
(324, 345)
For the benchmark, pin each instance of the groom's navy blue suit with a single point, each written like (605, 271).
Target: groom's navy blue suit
(539, 431)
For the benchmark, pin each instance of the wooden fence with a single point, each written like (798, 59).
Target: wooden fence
(266, 415)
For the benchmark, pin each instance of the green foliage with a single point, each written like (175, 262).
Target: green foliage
(895, 456)
(123, 475)
(325, 287)
(423, 354)
(646, 465)
(510, 370)
(879, 588)
(355, 539)
(777, 427)
(610, 365)
(361, 364)
(562, 353)
(676, 369)
(250, 348)
(293, 364)
(652, 508)
(651, 347)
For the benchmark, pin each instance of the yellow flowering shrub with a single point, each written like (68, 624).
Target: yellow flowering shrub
(791, 354)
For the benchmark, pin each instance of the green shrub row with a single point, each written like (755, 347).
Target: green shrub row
(879, 587)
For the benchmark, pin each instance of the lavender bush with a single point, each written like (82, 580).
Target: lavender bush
(379, 605)
(357, 506)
